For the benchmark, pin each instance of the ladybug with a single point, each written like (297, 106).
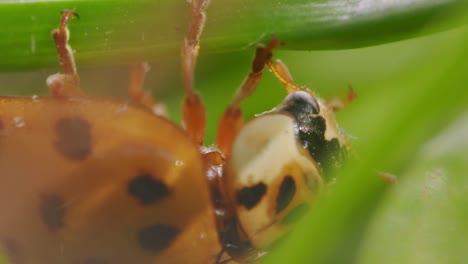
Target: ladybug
(90, 180)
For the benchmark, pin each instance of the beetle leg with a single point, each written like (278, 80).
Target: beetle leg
(337, 103)
(68, 82)
(138, 94)
(193, 109)
(281, 72)
(231, 121)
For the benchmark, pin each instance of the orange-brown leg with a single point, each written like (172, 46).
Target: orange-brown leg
(281, 72)
(232, 120)
(338, 103)
(279, 69)
(68, 82)
(193, 110)
(138, 94)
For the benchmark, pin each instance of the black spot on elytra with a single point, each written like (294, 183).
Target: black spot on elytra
(147, 189)
(295, 214)
(250, 196)
(156, 238)
(94, 261)
(52, 210)
(73, 138)
(286, 193)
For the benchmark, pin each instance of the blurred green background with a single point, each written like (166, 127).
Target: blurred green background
(410, 117)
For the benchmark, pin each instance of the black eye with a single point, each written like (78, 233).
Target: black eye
(300, 103)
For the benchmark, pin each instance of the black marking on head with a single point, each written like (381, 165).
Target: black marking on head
(300, 103)
(147, 189)
(328, 153)
(52, 210)
(94, 261)
(250, 196)
(286, 193)
(73, 138)
(295, 214)
(311, 133)
(156, 238)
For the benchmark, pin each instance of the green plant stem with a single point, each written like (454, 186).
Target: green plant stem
(122, 31)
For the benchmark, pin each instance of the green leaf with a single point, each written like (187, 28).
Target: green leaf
(424, 219)
(116, 32)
